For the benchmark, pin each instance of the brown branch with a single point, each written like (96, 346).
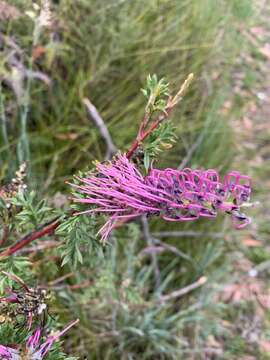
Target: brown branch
(143, 133)
(173, 249)
(60, 279)
(40, 246)
(45, 229)
(82, 285)
(181, 292)
(5, 235)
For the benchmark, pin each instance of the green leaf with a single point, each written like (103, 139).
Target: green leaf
(157, 92)
(146, 161)
(77, 233)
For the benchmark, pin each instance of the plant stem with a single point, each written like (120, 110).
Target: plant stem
(143, 133)
(45, 229)
(181, 292)
(4, 124)
(104, 132)
(23, 146)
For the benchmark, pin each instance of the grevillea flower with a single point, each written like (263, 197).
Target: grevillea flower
(118, 189)
(34, 349)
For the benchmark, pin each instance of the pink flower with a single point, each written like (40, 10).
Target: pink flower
(5, 353)
(118, 189)
(34, 349)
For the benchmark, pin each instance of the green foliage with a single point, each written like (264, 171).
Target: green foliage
(160, 139)
(113, 47)
(156, 93)
(23, 212)
(242, 9)
(77, 233)
(8, 335)
(19, 265)
(121, 312)
(31, 211)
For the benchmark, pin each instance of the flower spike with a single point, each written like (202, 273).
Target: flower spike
(118, 189)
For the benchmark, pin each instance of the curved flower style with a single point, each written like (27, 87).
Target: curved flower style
(120, 190)
(33, 350)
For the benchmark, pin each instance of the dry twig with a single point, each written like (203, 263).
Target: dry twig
(100, 124)
(176, 234)
(191, 151)
(181, 292)
(149, 240)
(173, 249)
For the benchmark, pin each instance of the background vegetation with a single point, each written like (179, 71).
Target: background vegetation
(103, 50)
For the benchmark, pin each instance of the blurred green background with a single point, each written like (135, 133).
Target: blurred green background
(103, 50)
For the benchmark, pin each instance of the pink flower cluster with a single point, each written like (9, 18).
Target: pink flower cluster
(34, 349)
(118, 188)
